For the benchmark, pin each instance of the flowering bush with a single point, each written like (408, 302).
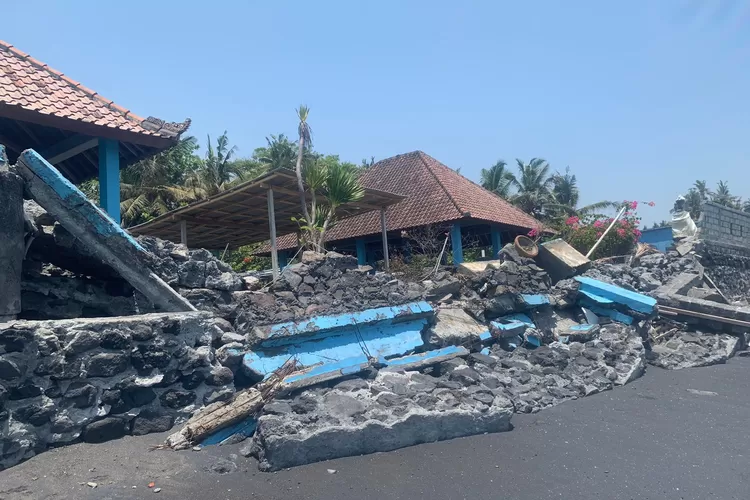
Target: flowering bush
(582, 233)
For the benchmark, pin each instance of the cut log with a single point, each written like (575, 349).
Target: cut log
(219, 415)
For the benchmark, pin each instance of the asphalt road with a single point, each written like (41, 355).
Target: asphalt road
(669, 435)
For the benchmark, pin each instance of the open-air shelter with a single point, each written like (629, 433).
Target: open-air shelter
(80, 132)
(252, 212)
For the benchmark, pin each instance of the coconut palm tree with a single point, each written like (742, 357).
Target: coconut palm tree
(154, 186)
(722, 196)
(497, 179)
(702, 189)
(533, 186)
(566, 194)
(693, 203)
(280, 152)
(218, 170)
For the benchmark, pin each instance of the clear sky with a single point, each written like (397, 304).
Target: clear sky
(638, 98)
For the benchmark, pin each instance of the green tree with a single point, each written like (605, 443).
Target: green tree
(497, 179)
(693, 203)
(154, 186)
(279, 152)
(533, 187)
(702, 189)
(336, 181)
(218, 170)
(367, 163)
(663, 223)
(723, 196)
(565, 194)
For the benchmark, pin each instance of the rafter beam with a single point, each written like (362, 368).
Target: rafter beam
(68, 148)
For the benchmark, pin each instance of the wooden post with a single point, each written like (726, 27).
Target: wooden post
(183, 232)
(272, 228)
(109, 178)
(497, 241)
(604, 235)
(361, 251)
(11, 240)
(384, 229)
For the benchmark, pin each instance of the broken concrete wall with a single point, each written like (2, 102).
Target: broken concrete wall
(100, 379)
(724, 225)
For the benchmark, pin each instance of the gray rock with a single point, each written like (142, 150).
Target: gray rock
(9, 369)
(175, 398)
(150, 421)
(107, 364)
(220, 375)
(105, 430)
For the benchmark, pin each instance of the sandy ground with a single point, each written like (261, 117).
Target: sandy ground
(669, 435)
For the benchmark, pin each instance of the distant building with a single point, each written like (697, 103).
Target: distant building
(436, 196)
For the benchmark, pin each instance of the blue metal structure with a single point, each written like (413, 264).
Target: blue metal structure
(661, 238)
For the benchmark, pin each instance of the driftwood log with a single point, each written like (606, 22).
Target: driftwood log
(219, 415)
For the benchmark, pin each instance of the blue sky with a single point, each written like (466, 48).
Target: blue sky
(638, 98)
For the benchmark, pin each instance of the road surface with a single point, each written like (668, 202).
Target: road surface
(669, 435)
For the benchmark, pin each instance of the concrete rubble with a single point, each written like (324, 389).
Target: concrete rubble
(379, 362)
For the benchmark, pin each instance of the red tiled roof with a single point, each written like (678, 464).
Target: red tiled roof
(434, 194)
(31, 85)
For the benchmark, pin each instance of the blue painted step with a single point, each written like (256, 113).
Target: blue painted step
(341, 341)
(599, 292)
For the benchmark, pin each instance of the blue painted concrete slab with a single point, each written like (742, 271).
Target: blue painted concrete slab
(325, 326)
(74, 198)
(598, 299)
(610, 313)
(520, 317)
(427, 356)
(350, 365)
(534, 300)
(635, 301)
(381, 340)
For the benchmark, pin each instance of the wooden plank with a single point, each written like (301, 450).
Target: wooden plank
(104, 238)
(674, 311)
(272, 229)
(384, 230)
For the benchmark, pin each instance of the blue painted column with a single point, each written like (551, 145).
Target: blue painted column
(458, 251)
(361, 252)
(497, 241)
(109, 177)
(283, 260)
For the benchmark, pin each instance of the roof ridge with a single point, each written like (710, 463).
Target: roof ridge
(422, 156)
(110, 104)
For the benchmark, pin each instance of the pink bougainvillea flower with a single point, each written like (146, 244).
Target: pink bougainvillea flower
(651, 204)
(621, 232)
(533, 233)
(572, 220)
(598, 223)
(634, 205)
(599, 234)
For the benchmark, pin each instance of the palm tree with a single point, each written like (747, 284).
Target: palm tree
(279, 153)
(497, 179)
(367, 163)
(746, 206)
(722, 196)
(218, 171)
(702, 189)
(305, 142)
(693, 203)
(565, 194)
(533, 186)
(154, 186)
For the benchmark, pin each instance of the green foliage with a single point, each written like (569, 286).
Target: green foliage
(242, 259)
(497, 179)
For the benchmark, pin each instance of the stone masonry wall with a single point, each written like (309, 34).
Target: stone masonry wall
(723, 225)
(100, 379)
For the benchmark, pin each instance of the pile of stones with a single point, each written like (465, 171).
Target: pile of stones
(650, 272)
(693, 349)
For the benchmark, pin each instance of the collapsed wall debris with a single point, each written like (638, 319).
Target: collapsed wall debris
(379, 363)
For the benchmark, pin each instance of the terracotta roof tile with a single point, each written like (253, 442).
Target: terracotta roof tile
(30, 84)
(434, 194)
